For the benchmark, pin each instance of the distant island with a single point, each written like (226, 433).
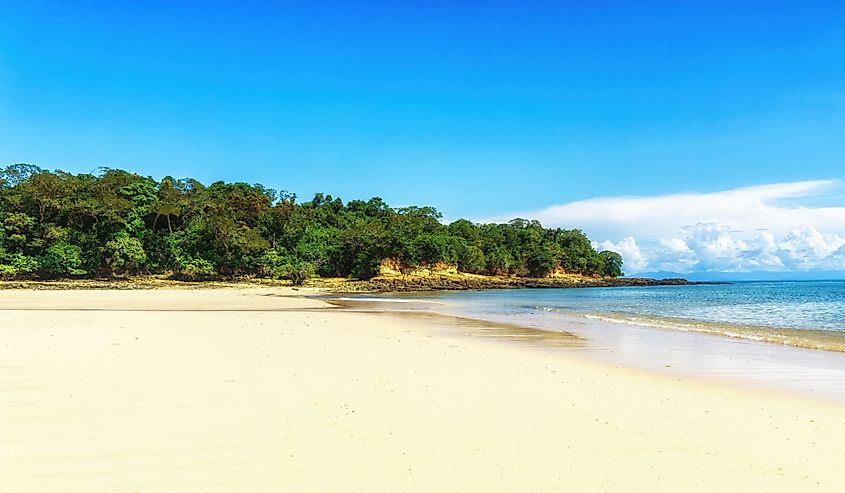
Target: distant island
(58, 225)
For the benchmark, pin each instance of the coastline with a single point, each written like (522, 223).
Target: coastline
(830, 337)
(822, 340)
(445, 281)
(166, 389)
(467, 282)
(705, 355)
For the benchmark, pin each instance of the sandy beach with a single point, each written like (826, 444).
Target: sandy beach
(261, 390)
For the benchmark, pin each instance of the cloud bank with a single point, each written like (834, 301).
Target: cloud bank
(762, 228)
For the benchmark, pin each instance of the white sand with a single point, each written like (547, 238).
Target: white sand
(120, 399)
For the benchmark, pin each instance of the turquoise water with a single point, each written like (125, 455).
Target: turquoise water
(674, 329)
(802, 305)
(755, 333)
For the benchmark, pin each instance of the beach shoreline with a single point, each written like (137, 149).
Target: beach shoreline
(709, 356)
(264, 389)
(412, 283)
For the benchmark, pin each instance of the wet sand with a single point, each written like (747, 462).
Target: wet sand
(249, 390)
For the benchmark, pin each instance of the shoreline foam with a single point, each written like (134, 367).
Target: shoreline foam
(825, 340)
(661, 349)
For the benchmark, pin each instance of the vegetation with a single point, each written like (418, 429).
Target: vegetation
(116, 223)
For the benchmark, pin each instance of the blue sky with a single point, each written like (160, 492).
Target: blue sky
(481, 109)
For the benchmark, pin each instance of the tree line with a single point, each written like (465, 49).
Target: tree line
(116, 223)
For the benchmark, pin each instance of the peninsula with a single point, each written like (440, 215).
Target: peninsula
(121, 224)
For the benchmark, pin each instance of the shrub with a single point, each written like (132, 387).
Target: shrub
(7, 271)
(366, 266)
(472, 260)
(124, 253)
(272, 263)
(540, 263)
(17, 264)
(196, 268)
(23, 263)
(298, 272)
(61, 259)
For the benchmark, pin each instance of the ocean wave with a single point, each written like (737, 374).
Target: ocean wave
(807, 338)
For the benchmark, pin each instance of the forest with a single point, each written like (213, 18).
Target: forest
(55, 224)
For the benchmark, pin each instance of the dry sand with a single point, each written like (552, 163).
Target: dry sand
(231, 390)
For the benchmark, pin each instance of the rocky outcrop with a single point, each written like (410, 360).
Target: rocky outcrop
(439, 283)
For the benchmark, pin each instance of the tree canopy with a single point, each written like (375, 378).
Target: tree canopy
(58, 224)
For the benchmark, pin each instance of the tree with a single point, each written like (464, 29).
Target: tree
(124, 254)
(540, 263)
(611, 263)
(168, 203)
(472, 260)
(466, 230)
(298, 272)
(61, 259)
(18, 228)
(432, 248)
(16, 174)
(500, 261)
(114, 222)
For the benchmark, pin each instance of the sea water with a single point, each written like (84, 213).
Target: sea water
(803, 305)
(789, 335)
(801, 313)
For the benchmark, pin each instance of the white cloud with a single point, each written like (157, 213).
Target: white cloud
(808, 248)
(631, 254)
(767, 227)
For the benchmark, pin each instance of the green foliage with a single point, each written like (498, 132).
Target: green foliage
(432, 248)
(8, 271)
(23, 263)
(62, 259)
(195, 268)
(18, 228)
(120, 223)
(18, 222)
(273, 263)
(472, 260)
(298, 272)
(540, 263)
(365, 266)
(17, 264)
(124, 254)
(500, 261)
(319, 245)
(611, 263)
(278, 265)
